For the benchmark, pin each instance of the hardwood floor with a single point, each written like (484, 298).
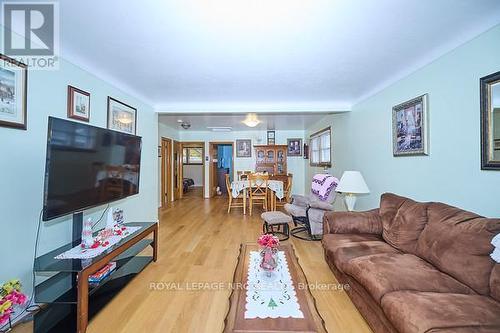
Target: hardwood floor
(199, 243)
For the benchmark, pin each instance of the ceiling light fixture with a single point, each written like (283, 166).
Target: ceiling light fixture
(185, 125)
(220, 129)
(251, 120)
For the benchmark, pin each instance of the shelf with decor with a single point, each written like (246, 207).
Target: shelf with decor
(69, 299)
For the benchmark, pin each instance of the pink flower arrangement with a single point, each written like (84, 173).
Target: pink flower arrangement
(10, 295)
(268, 240)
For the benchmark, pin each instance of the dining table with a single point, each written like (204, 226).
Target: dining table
(276, 187)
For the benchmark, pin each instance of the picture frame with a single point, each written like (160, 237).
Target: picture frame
(121, 117)
(78, 104)
(13, 93)
(271, 137)
(410, 128)
(244, 148)
(294, 147)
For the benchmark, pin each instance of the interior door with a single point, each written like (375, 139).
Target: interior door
(166, 170)
(177, 159)
(212, 169)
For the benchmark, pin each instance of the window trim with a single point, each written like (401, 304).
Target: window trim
(187, 156)
(318, 134)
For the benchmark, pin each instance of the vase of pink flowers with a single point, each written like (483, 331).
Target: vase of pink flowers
(269, 253)
(10, 296)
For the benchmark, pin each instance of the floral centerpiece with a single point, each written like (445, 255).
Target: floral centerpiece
(10, 296)
(269, 244)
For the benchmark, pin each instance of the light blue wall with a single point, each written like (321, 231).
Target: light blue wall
(452, 173)
(23, 163)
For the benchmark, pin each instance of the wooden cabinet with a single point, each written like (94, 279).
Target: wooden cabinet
(271, 159)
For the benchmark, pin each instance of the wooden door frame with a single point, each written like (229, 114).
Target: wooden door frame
(166, 171)
(177, 146)
(211, 169)
(192, 144)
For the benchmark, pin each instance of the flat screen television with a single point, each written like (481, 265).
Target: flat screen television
(88, 166)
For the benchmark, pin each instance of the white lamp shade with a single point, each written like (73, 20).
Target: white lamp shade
(352, 182)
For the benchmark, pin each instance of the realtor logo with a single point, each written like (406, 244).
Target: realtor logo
(31, 33)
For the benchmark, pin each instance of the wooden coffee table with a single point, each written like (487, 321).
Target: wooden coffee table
(235, 321)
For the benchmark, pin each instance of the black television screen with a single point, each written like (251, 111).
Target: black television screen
(88, 166)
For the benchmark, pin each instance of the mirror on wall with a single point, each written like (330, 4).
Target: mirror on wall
(490, 122)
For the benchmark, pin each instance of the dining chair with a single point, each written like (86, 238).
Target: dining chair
(236, 203)
(287, 192)
(243, 175)
(258, 190)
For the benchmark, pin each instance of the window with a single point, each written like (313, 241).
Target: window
(320, 143)
(192, 156)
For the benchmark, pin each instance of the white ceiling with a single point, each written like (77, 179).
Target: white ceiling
(325, 53)
(200, 122)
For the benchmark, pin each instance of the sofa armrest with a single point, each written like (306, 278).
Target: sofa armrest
(300, 200)
(368, 222)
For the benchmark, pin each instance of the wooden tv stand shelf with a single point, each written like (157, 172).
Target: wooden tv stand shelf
(69, 299)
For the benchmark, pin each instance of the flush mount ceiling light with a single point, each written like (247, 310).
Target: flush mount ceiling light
(251, 120)
(185, 125)
(220, 129)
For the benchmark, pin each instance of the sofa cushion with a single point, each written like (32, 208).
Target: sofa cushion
(458, 243)
(403, 221)
(495, 282)
(417, 312)
(384, 273)
(331, 242)
(347, 251)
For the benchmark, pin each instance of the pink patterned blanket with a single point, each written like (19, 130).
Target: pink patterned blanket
(323, 185)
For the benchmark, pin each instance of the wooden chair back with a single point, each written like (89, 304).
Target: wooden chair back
(258, 185)
(228, 184)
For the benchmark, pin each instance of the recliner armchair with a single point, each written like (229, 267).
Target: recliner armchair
(307, 212)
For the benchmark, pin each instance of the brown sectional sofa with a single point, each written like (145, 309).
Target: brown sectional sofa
(417, 267)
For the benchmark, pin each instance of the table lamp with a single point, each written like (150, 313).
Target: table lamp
(352, 183)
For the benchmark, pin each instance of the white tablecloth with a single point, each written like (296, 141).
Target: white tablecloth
(274, 185)
(274, 298)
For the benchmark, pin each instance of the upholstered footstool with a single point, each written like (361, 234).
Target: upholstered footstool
(278, 220)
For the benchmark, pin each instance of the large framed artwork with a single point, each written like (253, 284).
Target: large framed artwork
(410, 127)
(121, 117)
(13, 93)
(244, 148)
(78, 104)
(294, 147)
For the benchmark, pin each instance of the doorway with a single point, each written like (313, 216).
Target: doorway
(193, 169)
(221, 163)
(166, 172)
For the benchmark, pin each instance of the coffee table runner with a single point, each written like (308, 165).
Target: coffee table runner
(273, 297)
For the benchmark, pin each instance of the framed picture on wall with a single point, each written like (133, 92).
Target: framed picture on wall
(271, 137)
(121, 117)
(13, 93)
(244, 148)
(294, 147)
(78, 104)
(410, 128)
